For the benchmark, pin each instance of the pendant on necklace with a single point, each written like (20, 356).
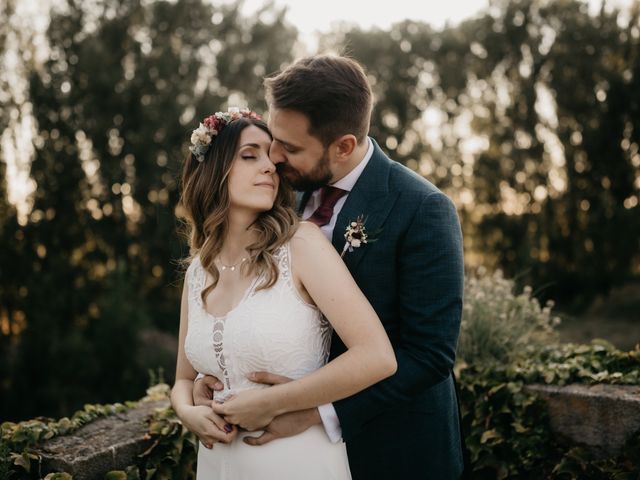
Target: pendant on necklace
(224, 267)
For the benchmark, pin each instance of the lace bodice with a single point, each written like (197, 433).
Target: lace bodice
(270, 330)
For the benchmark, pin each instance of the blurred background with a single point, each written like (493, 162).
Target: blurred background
(525, 112)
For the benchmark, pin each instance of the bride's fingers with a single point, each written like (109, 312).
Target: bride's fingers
(221, 423)
(207, 442)
(221, 435)
(268, 378)
(266, 437)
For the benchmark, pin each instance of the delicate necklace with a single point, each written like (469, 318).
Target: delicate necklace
(231, 267)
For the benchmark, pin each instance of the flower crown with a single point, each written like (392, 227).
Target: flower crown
(211, 126)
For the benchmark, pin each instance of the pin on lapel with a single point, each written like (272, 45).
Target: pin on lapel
(356, 235)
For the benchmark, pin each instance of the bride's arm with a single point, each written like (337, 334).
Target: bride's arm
(201, 420)
(369, 357)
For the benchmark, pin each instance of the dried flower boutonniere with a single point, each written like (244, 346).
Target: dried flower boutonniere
(355, 235)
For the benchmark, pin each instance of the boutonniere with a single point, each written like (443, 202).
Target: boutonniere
(356, 235)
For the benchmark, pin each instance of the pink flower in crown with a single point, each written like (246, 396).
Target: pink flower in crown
(212, 123)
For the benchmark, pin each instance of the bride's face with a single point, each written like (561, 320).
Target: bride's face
(253, 182)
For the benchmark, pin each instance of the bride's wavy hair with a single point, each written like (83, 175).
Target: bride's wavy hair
(204, 208)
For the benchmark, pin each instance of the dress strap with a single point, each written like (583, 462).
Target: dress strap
(283, 258)
(196, 278)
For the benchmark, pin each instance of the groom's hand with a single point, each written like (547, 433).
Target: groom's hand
(267, 378)
(203, 390)
(286, 425)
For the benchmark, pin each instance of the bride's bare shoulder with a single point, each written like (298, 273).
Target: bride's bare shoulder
(309, 238)
(308, 231)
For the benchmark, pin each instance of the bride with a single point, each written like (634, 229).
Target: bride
(262, 292)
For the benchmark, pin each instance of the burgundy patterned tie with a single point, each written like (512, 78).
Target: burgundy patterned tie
(329, 196)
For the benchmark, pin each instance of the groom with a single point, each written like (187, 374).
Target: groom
(407, 425)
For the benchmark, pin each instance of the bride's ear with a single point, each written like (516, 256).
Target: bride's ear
(344, 146)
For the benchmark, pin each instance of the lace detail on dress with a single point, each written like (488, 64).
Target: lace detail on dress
(270, 329)
(199, 281)
(282, 256)
(196, 276)
(218, 348)
(273, 330)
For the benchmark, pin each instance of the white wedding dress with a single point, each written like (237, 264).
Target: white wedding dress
(270, 330)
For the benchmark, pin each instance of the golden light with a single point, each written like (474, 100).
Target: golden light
(630, 202)
(5, 324)
(19, 322)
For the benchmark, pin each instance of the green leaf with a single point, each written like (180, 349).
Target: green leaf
(488, 435)
(116, 475)
(518, 427)
(23, 461)
(58, 476)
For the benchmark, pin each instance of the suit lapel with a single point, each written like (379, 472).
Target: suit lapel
(371, 198)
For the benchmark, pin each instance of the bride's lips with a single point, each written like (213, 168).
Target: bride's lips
(266, 184)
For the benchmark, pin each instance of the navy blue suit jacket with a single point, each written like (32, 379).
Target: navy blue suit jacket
(405, 426)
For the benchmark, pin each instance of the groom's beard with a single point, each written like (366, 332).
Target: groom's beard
(318, 177)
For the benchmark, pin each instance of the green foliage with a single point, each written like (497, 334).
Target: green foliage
(506, 342)
(499, 325)
(569, 363)
(156, 376)
(507, 428)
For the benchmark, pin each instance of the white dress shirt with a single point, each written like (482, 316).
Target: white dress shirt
(328, 412)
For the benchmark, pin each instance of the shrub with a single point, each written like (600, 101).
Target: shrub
(498, 325)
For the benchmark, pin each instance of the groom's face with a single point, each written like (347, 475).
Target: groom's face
(299, 156)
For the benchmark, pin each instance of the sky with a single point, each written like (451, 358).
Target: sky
(311, 17)
(318, 16)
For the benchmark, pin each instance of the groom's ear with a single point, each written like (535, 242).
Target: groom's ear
(344, 147)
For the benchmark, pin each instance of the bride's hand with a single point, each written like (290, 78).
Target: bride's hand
(207, 426)
(249, 409)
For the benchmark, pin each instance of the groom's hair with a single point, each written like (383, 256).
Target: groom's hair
(332, 91)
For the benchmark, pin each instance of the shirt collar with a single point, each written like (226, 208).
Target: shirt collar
(349, 180)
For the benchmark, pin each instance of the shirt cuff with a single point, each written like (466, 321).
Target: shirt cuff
(330, 422)
(198, 377)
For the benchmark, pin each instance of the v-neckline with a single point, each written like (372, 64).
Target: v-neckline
(245, 295)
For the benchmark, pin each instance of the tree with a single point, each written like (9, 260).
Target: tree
(125, 84)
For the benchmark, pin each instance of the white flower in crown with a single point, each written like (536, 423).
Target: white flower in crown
(202, 136)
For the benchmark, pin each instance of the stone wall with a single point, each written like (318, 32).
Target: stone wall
(110, 443)
(599, 417)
